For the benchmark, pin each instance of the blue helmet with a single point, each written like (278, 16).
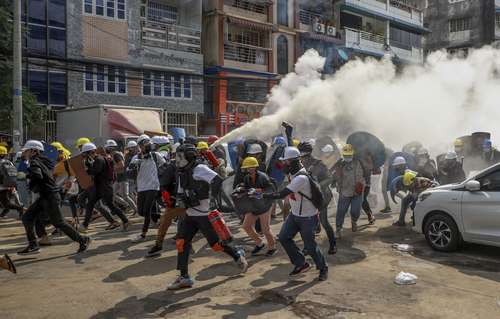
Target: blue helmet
(279, 140)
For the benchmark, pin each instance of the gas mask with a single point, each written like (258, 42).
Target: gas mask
(181, 160)
(292, 166)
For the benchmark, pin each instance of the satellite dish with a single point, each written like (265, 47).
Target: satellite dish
(343, 55)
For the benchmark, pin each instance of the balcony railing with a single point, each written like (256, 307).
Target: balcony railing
(245, 53)
(247, 5)
(309, 17)
(171, 36)
(403, 5)
(368, 36)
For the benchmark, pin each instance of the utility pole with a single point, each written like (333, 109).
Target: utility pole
(17, 98)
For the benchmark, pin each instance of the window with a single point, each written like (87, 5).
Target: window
(114, 9)
(38, 85)
(57, 90)
(57, 13)
(57, 42)
(36, 11)
(161, 12)
(462, 24)
(497, 20)
(283, 12)
(404, 40)
(105, 79)
(159, 84)
(282, 53)
(37, 39)
(491, 182)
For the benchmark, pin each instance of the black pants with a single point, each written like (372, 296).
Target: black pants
(50, 206)
(8, 201)
(365, 205)
(106, 195)
(146, 200)
(188, 228)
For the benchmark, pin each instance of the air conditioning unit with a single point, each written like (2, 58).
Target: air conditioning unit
(319, 27)
(331, 30)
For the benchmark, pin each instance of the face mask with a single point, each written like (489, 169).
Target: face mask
(180, 160)
(348, 159)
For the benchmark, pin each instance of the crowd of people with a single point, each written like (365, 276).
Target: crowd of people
(183, 183)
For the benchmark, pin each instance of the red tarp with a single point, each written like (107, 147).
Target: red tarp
(126, 122)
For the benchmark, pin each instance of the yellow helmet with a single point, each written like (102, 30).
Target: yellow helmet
(58, 146)
(3, 150)
(409, 177)
(295, 142)
(202, 146)
(458, 143)
(250, 162)
(347, 150)
(81, 141)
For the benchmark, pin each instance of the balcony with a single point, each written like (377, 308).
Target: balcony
(459, 37)
(170, 36)
(399, 9)
(365, 41)
(307, 19)
(245, 56)
(410, 54)
(247, 9)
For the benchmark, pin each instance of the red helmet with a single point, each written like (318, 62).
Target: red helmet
(211, 139)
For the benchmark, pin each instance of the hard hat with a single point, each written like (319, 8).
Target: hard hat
(254, 149)
(347, 150)
(312, 141)
(250, 162)
(279, 140)
(451, 155)
(399, 160)
(458, 143)
(291, 152)
(110, 143)
(156, 140)
(328, 148)
(58, 146)
(143, 139)
(175, 146)
(305, 148)
(163, 140)
(295, 142)
(422, 151)
(409, 177)
(81, 141)
(202, 146)
(211, 139)
(33, 145)
(131, 144)
(87, 147)
(3, 150)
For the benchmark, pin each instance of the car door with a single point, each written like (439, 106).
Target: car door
(481, 210)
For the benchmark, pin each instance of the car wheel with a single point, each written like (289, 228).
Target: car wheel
(442, 233)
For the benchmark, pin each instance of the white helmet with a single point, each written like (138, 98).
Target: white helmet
(452, 155)
(254, 149)
(160, 140)
(312, 141)
(422, 151)
(33, 145)
(131, 144)
(175, 146)
(399, 160)
(328, 148)
(143, 139)
(110, 143)
(87, 147)
(291, 152)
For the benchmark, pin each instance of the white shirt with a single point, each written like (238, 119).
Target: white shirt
(301, 183)
(200, 173)
(147, 177)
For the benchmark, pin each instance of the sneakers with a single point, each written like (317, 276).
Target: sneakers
(354, 227)
(300, 270)
(112, 226)
(180, 283)
(242, 263)
(271, 252)
(125, 226)
(139, 238)
(84, 245)
(154, 251)
(258, 249)
(332, 250)
(371, 219)
(323, 274)
(82, 229)
(386, 210)
(30, 250)
(44, 241)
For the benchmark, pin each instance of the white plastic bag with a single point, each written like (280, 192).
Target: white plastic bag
(405, 278)
(403, 247)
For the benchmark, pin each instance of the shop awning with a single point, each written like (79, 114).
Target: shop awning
(250, 24)
(124, 122)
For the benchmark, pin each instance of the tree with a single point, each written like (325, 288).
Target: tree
(32, 113)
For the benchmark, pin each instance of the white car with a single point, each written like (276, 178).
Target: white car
(466, 212)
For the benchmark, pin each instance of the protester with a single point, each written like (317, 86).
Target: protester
(426, 167)
(304, 217)
(42, 182)
(413, 185)
(9, 198)
(196, 181)
(451, 170)
(490, 155)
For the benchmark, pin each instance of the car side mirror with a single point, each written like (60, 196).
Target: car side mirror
(473, 186)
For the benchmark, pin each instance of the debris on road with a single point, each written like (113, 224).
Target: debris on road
(405, 278)
(403, 247)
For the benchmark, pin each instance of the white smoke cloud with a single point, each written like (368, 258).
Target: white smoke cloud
(433, 103)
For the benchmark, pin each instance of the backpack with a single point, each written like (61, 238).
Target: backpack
(317, 197)
(162, 170)
(109, 169)
(8, 174)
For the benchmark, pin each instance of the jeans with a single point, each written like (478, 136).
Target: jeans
(145, 202)
(24, 193)
(188, 229)
(49, 205)
(343, 206)
(122, 193)
(306, 226)
(365, 204)
(323, 219)
(106, 194)
(407, 202)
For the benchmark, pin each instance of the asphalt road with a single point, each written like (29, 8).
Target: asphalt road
(114, 280)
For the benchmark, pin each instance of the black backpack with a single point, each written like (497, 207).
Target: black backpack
(317, 197)
(8, 174)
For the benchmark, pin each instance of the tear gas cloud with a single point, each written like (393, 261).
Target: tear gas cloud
(433, 103)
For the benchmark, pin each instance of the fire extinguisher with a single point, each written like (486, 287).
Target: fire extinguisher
(219, 225)
(211, 158)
